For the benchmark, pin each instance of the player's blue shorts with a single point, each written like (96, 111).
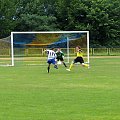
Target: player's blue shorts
(51, 61)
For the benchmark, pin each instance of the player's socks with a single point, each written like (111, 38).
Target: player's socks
(71, 66)
(64, 64)
(48, 69)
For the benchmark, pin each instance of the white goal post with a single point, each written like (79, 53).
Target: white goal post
(6, 51)
(12, 50)
(53, 32)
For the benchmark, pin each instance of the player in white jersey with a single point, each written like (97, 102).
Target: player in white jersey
(51, 58)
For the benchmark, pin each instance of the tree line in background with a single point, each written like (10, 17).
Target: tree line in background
(100, 17)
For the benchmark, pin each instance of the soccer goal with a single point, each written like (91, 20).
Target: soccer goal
(6, 52)
(29, 47)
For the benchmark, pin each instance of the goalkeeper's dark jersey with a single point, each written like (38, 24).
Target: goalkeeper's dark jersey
(60, 54)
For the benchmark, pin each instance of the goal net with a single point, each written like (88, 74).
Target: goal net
(29, 47)
(6, 52)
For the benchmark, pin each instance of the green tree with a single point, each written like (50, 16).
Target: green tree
(104, 16)
(100, 17)
(7, 20)
(35, 16)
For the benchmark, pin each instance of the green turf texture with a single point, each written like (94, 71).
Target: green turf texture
(30, 93)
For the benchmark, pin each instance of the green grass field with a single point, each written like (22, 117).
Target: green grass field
(29, 93)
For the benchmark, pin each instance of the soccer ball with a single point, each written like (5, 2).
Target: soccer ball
(59, 62)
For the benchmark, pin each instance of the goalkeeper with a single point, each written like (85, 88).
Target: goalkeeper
(79, 58)
(60, 56)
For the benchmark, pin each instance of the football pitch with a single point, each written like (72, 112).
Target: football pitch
(30, 93)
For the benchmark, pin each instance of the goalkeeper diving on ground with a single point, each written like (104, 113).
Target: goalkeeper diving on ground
(79, 59)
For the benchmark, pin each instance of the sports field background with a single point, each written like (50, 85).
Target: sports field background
(30, 93)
